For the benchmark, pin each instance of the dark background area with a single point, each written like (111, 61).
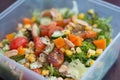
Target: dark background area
(113, 73)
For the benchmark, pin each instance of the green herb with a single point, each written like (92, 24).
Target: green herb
(54, 71)
(87, 45)
(105, 26)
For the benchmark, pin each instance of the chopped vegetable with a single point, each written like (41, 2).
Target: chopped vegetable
(27, 21)
(38, 45)
(77, 41)
(100, 43)
(59, 42)
(57, 34)
(17, 42)
(10, 36)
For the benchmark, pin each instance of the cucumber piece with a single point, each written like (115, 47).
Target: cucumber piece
(49, 48)
(45, 21)
(18, 57)
(45, 40)
(57, 34)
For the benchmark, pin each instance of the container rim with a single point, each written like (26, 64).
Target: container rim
(10, 8)
(99, 2)
(107, 4)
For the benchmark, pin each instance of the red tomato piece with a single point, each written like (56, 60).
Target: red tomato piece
(51, 31)
(39, 45)
(44, 30)
(17, 42)
(89, 34)
(56, 58)
(37, 70)
(63, 23)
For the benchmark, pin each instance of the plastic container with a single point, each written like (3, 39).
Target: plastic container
(23, 8)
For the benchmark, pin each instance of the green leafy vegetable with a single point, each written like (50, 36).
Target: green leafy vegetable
(87, 45)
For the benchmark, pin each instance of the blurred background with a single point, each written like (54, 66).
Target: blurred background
(114, 72)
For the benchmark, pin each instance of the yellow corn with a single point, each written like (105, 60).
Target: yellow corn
(45, 72)
(59, 17)
(62, 49)
(91, 11)
(23, 30)
(90, 53)
(27, 26)
(99, 51)
(31, 57)
(70, 28)
(87, 28)
(74, 18)
(1, 44)
(92, 62)
(27, 64)
(68, 52)
(67, 32)
(81, 16)
(33, 18)
(78, 50)
(95, 25)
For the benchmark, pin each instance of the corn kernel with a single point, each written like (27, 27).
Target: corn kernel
(1, 44)
(92, 62)
(91, 11)
(27, 26)
(70, 28)
(45, 72)
(95, 25)
(31, 57)
(33, 18)
(81, 16)
(31, 45)
(67, 32)
(23, 30)
(68, 52)
(27, 64)
(59, 17)
(87, 28)
(90, 53)
(74, 18)
(78, 50)
(99, 51)
(73, 50)
(62, 49)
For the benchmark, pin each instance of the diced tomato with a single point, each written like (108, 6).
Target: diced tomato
(89, 34)
(39, 45)
(17, 42)
(44, 30)
(53, 27)
(56, 58)
(37, 70)
(63, 23)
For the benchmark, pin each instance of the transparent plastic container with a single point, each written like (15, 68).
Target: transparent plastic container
(11, 70)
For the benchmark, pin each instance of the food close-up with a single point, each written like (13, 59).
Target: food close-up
(59, 40)
(58, 43)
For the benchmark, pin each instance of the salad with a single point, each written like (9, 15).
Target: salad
(58, 43)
